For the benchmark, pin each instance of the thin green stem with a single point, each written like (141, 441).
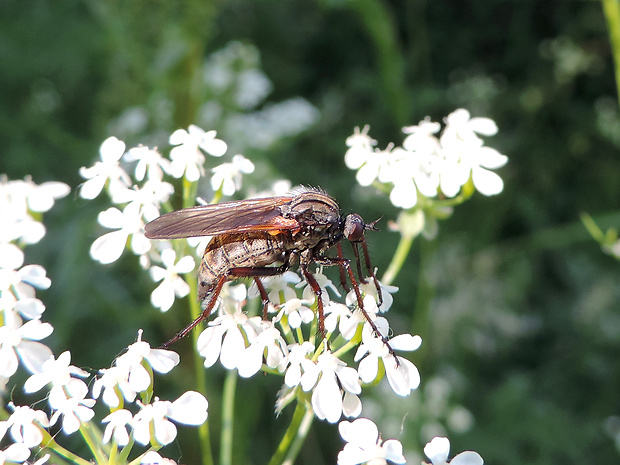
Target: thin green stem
(228, 416)
(89, 437)
(353, 342)
(122, 457)
(611, 9)
(189, 193)
(402, 251)
(421, 316)
(300, 437)
(295, 435)
(189, 200)
(592, 227)
(378, 19)
(200, 381)
(49, 443)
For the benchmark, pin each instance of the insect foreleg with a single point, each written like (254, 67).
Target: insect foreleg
(330, 261)
(358, 263)
(343, 273)
(371, 272)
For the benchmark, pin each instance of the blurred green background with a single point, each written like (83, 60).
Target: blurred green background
(517, 305)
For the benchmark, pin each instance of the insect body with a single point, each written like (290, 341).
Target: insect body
(264, 237)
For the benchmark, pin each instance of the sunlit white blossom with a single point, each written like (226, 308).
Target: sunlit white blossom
(25, 425)
(269, 344)
(117, 427)
(16, 452)
(187, 158)
(58, 372)
(129, 373)
(439, 448)
(171, 283)
(369, 288)
(325, 378)
(150, 163)
(227, 176)
(18, 200)
(72, 405)
(108, 169)
(297, 312)
(427, 164)
(190, 409)
(223, 338)
(18, 340)
(296, 355)
(148, 198)
(41, 197)
(109, 247)
(361, 147)
(17, 292)
(460, 124)
(153, 458)
(364, 445)
(402, 375)
(278, 287)
(11, 256)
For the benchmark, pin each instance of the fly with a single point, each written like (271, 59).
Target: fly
(264, 237)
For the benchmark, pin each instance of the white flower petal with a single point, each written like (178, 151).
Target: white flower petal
(438, 450)
(487, 182)
(327, 400)
(109, 247)
(163, 360)
(165, 432)
(190, 409)
(467, 458)
(406, 342)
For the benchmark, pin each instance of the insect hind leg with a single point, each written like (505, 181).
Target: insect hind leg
(214, 294)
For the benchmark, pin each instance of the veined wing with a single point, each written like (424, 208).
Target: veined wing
(229, 217)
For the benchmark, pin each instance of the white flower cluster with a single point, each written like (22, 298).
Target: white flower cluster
(139, 199)
(315, 371)
(284, 345)
(428, 165)
(69, 400)
(26, 429)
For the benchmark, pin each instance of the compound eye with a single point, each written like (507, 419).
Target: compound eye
(353, 227)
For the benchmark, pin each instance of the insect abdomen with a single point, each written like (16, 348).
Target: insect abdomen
(230, 251)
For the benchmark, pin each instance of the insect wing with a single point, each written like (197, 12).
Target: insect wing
(230, 217)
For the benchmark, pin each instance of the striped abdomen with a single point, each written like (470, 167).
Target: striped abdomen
(248, 250)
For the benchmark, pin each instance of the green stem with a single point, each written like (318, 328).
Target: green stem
(295, 435)
(592, 227)
(189, 193)
(300, 437)
(228, 415)
(354, 342)
(201, 383)
(380, 24)
(611, 9)
(402, 251)
(189, 200)
(49, 443)
(89, 437)
(421, 316)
